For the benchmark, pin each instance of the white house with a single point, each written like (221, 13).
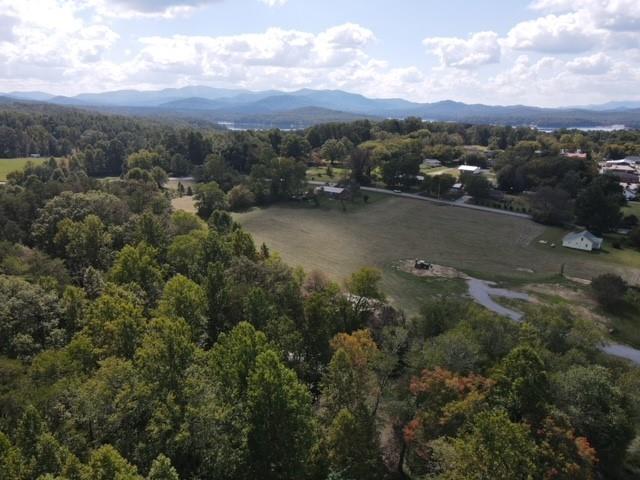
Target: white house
(584, 240)
(469, 169)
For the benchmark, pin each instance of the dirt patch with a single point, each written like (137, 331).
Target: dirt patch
(566, 293)
(436, 271)
(581, 281)
(581, 304)
(184, 203)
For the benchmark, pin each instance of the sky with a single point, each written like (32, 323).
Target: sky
(533, 52)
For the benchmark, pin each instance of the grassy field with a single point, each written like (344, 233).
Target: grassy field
(633, 208)
(390, 229)
(184, 203)
(439, 171)
(172, 184)
(8, 165)
(320, 174)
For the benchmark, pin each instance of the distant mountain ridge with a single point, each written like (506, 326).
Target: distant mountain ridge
(306, 107)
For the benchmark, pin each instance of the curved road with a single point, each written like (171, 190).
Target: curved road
(433, 200)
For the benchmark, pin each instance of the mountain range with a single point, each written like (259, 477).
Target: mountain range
(305, 107)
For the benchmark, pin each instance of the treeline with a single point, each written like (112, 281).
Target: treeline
(264, 166)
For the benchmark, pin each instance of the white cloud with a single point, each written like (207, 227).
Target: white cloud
(274, 3)
(335, 47)
(480, 49)
(50, 42)
(568, 33)
(146, 8)
(614, 15)
(596, 64)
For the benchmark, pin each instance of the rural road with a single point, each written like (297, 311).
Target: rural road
(434, 200)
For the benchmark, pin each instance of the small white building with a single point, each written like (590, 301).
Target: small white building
(624, 162)
(469, 169)
(584, 240)
(331, 191)
(431, 162)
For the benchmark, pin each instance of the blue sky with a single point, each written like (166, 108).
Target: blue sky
(541, 52)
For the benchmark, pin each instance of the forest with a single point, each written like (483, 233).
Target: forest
(139, 342)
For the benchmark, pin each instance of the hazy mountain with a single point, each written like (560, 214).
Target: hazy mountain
(193, 103)
(311, 106)
(618, 105)
(34, 96)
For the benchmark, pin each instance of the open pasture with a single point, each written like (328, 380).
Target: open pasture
(389, 229)
(8, 165)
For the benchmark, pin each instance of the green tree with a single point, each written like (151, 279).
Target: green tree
(522, 385)
(333, 150)
(115, 323)
(294, 146)
(29, 318)
(494, 449)
(137, 265)
(50, 456)
(143, 159)
(280, 421)
(240, 198)
(183, 223)
(551, 206)
(352, 444)
(13, 465)
(365, 283)
(161, 469)
(165, 354)
(597, 410)
(478, 186)
(215, 286)
(185, 299)
(598, 205)
(30, 427)
(186, 253)
(209, 197)
(609, 290)
(85, 244)
(106, 463)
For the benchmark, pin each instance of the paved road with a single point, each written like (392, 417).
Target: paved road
(435, 200)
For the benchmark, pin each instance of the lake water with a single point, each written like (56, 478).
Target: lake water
(604, 128)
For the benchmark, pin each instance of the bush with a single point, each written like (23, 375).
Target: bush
(240, 198)
(609, 290)
(634, 237)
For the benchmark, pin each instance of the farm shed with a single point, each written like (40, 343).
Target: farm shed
(431, 162)
(333, 192)
(469, 169)
(584, 240)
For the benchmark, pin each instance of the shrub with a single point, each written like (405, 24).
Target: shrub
(609, 290)
(240, 198)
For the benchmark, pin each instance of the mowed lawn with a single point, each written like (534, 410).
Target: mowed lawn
(8, 165)
(390, 229)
